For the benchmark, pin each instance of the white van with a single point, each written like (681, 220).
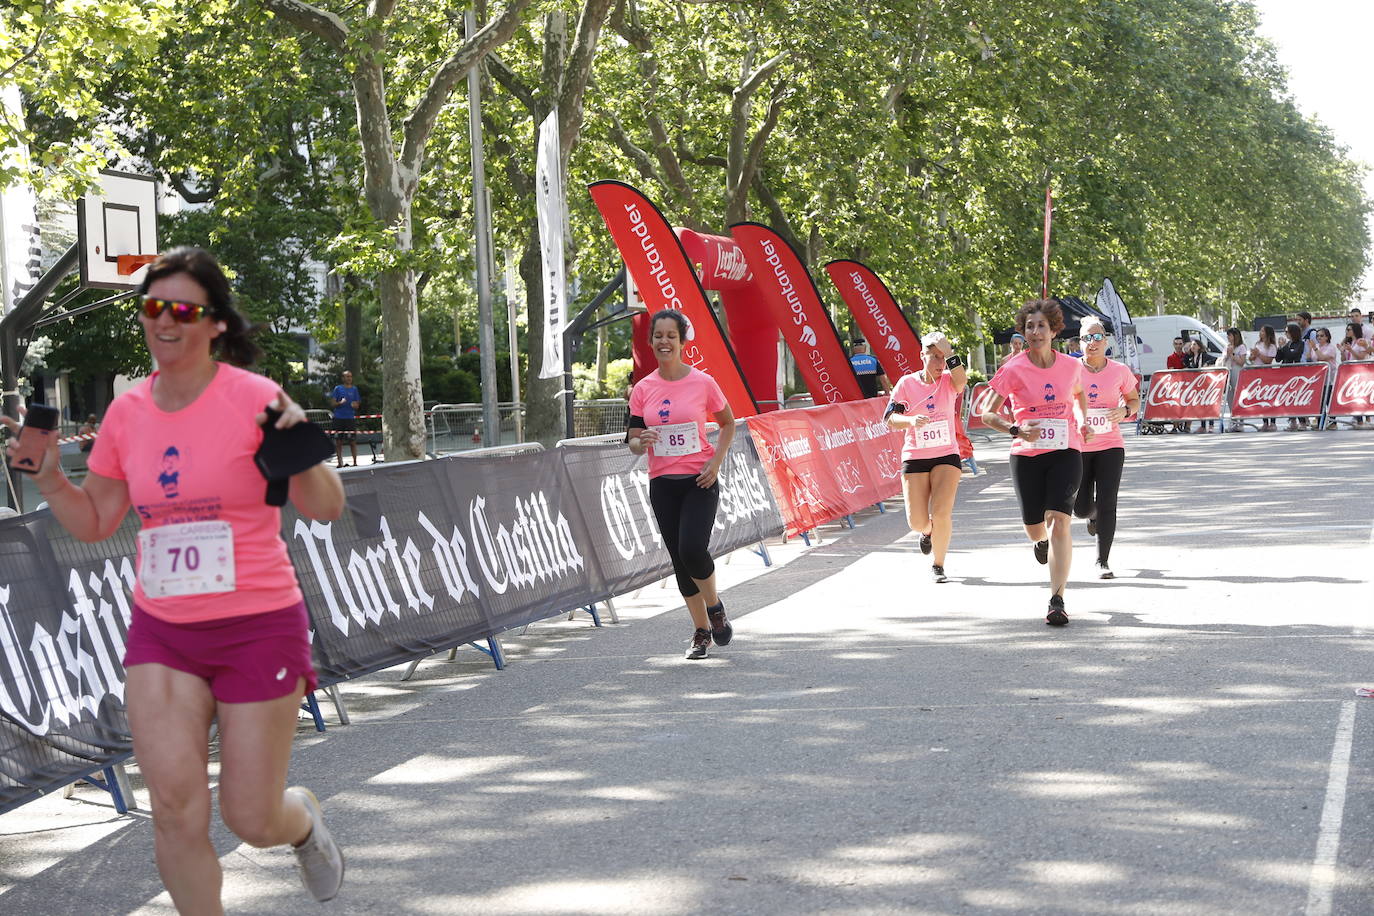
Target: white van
(1155, 335)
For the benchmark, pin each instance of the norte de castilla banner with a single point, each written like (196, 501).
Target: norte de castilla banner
(429, 555)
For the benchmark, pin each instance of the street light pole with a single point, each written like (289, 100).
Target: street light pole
(486, 337)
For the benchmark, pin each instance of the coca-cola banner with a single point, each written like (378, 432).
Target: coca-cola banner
(1279, 391)
(787, 290)
(979, 398)
(1353, 391)
(665, 279)
(877, 314)
(1186, 394)
(830, 461)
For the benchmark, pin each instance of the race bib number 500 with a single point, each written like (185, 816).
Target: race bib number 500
(1099, 420)
(196, 558)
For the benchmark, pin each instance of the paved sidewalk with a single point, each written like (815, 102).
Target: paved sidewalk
(871, 742)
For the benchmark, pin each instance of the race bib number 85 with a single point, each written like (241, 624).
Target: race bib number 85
(677, 439)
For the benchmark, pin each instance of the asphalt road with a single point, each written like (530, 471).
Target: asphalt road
(872, 742)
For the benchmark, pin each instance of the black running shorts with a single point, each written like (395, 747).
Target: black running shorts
(926, 465)
(1046, 483)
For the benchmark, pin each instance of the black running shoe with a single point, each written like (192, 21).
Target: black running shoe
(1092, 526)
(701, 641)
(925, 544)
(1056, 617)
(721, 631)
(1042, 552)
(938, 572)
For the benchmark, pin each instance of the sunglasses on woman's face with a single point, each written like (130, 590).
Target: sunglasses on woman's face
(183, 312)
(1094, 336)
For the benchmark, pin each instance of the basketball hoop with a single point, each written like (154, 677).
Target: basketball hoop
(129, 263)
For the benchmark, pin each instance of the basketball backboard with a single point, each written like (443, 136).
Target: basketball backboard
(118, 217)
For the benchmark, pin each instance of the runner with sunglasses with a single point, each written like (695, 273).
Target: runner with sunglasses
(669, 409)
(924, 407)
(1042, 387)
(1113, 397)
(219, 631)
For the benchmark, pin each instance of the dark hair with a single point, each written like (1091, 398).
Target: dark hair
(1305, 316)
(1326, 331)
(1266, 333)
(1294, 331)
(1182, 340)
(672, 315)
(1047, 307)
(1355, 329)
(235, 343)
(1233, 336)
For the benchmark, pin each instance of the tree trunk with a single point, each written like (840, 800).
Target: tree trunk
(403, 428)
(353, 325)
(601, 348)
(543, 406)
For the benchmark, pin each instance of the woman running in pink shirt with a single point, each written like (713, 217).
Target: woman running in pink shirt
(1113, 398)
(923, 405)
(669, 409)
(219, 630)
(1042, 387)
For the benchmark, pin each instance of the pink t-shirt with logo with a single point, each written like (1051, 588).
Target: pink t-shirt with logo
(1041, 394)
(935, 400)
(694, 398)
(1105, 389)
(196, 465)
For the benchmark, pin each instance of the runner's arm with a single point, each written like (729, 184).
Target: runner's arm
(91, 512)
(318, 493)
(725, 419)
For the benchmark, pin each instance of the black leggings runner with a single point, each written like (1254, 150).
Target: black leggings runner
(1097, 494)
(686, 514)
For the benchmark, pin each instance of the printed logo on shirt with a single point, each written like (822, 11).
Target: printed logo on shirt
(170, 477)
(1049, 393)
(665, 410)
(1092, 392)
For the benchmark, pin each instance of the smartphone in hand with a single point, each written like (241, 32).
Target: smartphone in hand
(40, 425)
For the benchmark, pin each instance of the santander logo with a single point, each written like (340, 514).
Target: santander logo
(1202, 389)
(893, 343)
(1356, 391)
(808, 336)
(1296, 391)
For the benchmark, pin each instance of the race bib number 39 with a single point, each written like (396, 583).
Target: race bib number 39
(935, 433)
(1098, 420)
(196, 558)
(1053, 434)
(677, 439)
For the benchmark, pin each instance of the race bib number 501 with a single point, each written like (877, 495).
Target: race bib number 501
(196, 558)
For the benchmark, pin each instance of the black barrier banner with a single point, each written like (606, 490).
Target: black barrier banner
(428, 555)
(64, 613)
(432, 554)
(612, 486)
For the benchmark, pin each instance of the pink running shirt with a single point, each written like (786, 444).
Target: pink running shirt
(194, 465)
(937, 401)
(1040, 394)
(1106, 388)
(694, 398)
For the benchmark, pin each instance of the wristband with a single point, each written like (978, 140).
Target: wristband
(953, 362)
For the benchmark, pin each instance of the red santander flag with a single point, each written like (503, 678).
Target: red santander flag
(889, 335)
(788, 291)
(665, 279)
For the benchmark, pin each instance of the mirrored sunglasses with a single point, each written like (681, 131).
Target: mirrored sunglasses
(1094, 336)
(184, 312)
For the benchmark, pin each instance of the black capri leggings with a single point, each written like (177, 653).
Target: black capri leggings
(686, 513)
(1097, 493)
(1046, 483)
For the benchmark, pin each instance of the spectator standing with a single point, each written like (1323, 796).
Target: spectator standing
(1234, 358)
(1321, 349)
(1262, 354)
(89, 428)
(872, 380)
(346, 400)
(1290, 353)
(1195, 356)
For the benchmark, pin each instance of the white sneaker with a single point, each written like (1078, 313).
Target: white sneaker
(319, 857)
(1104, 571)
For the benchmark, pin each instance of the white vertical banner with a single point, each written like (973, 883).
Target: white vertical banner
(20, 252)
(1110, 304)
(551, 210)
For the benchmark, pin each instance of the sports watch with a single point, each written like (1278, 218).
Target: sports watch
(1015, 430)
(953, 362)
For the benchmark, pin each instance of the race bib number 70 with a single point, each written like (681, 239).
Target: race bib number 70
(195, 558)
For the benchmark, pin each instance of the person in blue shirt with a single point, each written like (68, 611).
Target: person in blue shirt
(872, 380)
(346, 401)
